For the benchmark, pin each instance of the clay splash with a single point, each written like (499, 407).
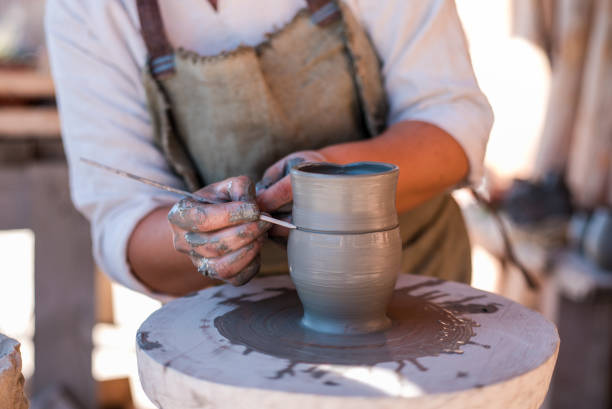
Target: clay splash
(142, 337)
(421, 327)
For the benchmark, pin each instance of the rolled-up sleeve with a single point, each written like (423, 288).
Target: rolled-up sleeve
(427, 70)
(104, 117)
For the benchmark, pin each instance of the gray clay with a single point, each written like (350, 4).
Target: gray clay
(422, 327)
(345, 257)
(356, 198)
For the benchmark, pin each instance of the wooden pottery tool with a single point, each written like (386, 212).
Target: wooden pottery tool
(190, 195)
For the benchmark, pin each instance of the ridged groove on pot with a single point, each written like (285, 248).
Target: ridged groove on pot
(358, 197)
(345, 281)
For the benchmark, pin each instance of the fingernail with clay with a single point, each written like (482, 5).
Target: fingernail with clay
(245, 275)
(290, 164)
(249, 195)
(245, 212)
(196, 239)
(261, 185)
(205, 269)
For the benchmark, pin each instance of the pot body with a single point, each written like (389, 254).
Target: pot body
(345, 255)
(345, 281)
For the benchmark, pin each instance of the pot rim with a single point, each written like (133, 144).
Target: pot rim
(297, 170)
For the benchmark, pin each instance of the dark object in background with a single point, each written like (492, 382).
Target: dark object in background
(591, 235)
(597, 242)
(528, 203)
(544, 208)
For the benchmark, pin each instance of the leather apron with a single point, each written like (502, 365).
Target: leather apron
(313, 83)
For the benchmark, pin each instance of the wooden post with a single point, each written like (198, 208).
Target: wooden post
(568, 51)
(531, 20)
(589, 167)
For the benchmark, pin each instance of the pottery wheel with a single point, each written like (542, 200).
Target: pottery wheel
(450, 346)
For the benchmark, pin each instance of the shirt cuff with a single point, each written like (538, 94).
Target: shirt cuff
(468, 124)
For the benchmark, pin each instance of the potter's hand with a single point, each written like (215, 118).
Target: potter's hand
(274, 192)
(223, 240)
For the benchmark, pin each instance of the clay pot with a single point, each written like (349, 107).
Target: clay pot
(345, 256)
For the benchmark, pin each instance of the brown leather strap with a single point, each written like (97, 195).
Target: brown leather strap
(323, 12)
(161, 53)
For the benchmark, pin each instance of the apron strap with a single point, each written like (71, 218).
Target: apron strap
(161, 53)
(323, 12)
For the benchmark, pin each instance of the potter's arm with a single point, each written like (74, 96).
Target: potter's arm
(152, 256)
(430, 160)
(439, 120)
(221, 240)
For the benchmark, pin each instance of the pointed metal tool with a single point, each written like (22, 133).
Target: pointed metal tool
(161, 186)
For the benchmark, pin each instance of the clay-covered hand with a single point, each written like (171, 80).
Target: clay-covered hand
(274, 194)
(223, 240)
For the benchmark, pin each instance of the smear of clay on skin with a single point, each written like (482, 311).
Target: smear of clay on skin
(244, 212)
(421, 328)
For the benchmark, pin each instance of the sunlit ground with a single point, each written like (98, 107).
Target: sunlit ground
(513, 74)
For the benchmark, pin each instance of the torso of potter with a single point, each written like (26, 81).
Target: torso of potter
(313, 83)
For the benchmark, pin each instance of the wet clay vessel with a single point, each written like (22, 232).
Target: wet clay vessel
(345, 255)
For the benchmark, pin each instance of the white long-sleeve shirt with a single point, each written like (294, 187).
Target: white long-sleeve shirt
(97, 54)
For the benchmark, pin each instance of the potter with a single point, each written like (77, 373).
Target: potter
(217, 106)
(345, 256)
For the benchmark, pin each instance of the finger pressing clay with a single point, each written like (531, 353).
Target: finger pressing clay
(228, 266)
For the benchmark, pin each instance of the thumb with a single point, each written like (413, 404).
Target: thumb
(277, 171)
(276, 196)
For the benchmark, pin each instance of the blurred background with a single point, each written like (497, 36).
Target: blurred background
(546, 67)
